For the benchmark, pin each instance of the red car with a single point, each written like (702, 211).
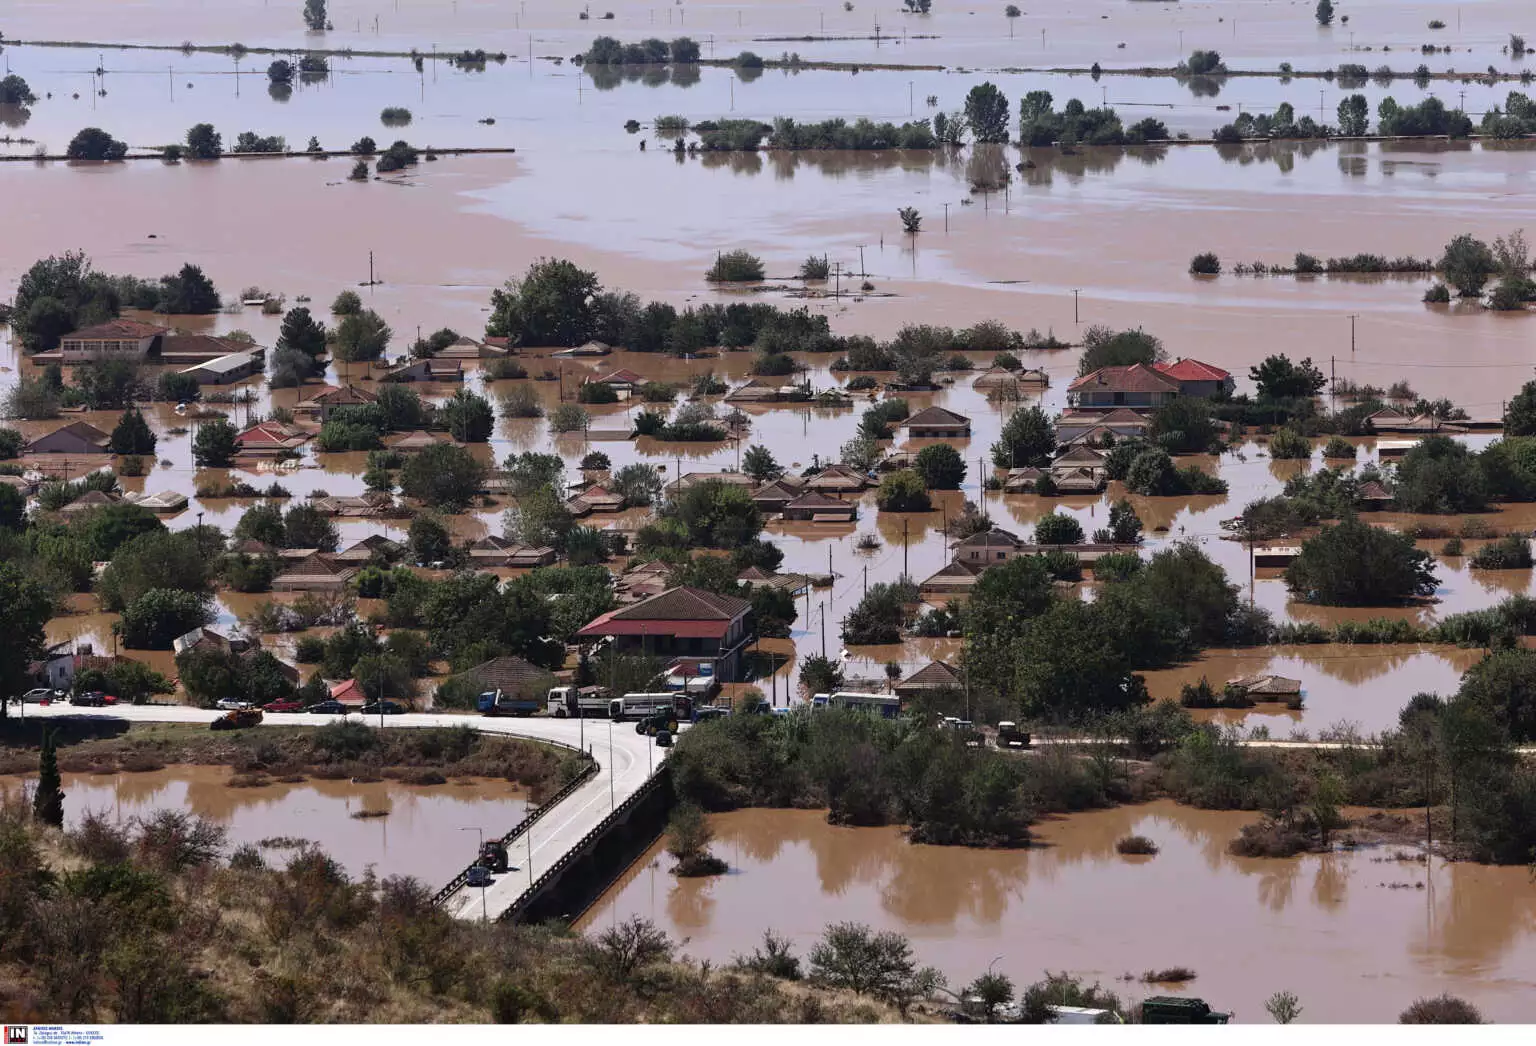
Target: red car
(282, 706)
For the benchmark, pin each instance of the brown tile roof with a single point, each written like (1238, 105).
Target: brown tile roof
(935, 675)
(347, 395)
(86, 431)
(937, 416)
(815, 499)
(417, 439)
(117, 330)
(511, 674)
(685, 604)
(989, 538)
(1138, 377)
(319, 566)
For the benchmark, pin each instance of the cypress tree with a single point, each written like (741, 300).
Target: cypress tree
(48, 803)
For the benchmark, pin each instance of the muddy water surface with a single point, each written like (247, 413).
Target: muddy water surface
(1356, 935)
(421, 833)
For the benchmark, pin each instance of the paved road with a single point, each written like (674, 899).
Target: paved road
(624, 758)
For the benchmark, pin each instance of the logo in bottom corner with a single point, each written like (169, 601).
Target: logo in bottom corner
(15, 1035)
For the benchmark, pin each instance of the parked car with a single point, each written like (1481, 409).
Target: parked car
(703, 712)
(90, 699)
(285, 705)
(327, 708)
(231, 704)
(390, 708)
(479, 875)
(39, 696)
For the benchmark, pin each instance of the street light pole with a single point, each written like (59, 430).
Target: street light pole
(611, 806)
(480, 832)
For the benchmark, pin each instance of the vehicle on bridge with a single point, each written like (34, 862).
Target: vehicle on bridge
(499, 702)
(886, 706)
(662, 721)
(643, 706)
(575, 702)
(493, 855)
(239, 719)
(479, 875)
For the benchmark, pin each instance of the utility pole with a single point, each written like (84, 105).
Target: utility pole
(1352, 318)
(866, 579)
(823, 630)
(862, 272)
(910, 108)
(946, 218)
(904, 569)
(1075, 292)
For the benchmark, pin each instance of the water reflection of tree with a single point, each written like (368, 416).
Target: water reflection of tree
(1477, 912)
(608, 77)
(14, 115)
(690, 902)
(1330, 884)
(1041, 165)
(1203, 86)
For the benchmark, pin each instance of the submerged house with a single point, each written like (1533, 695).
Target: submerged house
(75, 438)
(937, 423)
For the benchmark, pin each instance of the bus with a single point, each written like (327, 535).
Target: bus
(640, 706)
(886, 706)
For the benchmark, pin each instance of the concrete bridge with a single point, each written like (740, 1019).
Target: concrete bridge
(575, 834)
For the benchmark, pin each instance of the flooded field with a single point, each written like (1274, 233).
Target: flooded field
(421, 832)
(1356, 935)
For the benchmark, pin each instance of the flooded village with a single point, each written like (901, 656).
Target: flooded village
(1040, 498)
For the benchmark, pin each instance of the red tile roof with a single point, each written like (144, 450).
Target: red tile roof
(1138, 377)
(117, 329)
(1191, 370)
(684, 611)
(270, 433)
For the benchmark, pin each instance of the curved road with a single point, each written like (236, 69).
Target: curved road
(625, 760)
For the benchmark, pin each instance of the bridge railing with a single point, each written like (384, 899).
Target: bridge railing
(555, 870)
(587, 771)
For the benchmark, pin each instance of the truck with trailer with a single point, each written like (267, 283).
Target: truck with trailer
(575, 702)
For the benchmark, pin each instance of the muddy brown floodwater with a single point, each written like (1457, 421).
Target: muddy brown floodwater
(422, 833)
(1356, 935)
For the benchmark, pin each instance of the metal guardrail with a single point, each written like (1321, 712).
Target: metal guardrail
(587, 772)
(555, 870)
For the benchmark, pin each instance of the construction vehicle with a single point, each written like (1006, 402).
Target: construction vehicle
(1180, 1009)
(499, 702)
(1010, 736)
(659, 722)
(237, 720)
(493, 855)
(575, 702)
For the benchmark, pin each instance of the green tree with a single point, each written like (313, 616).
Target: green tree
(715, 514)
(132, 435)
(204, 143)
(1324, 12)
(48, 800)
(158, 616)
(1278, 378)
(1356, 564)
(429, 540)
(530, 471)
(1028, 438)
(314, 16)
(1124, 524)
(539, 519)
(188, 293)
(941, 467)
(852, 957)
(1105, 347)
(443, 476)
(1354, 115)
(58, 294)
(903, 491)
(157, 559)
(759, 463)
(361, 336)
(347, 303)
(263, 522)
(1467, 265)
(305, 526)
(1504, 684)
(93, 143)
(25, 607)
(881, 614)
(214, 445)
(1440, 476)
(639, 483)
(14, 91)
(280, 72)
(1054, 528)
(1520, 414)
(468, 417)
(986, 110)
(552, 305)
(990, 990)
(1184, 426)
(300, 331)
